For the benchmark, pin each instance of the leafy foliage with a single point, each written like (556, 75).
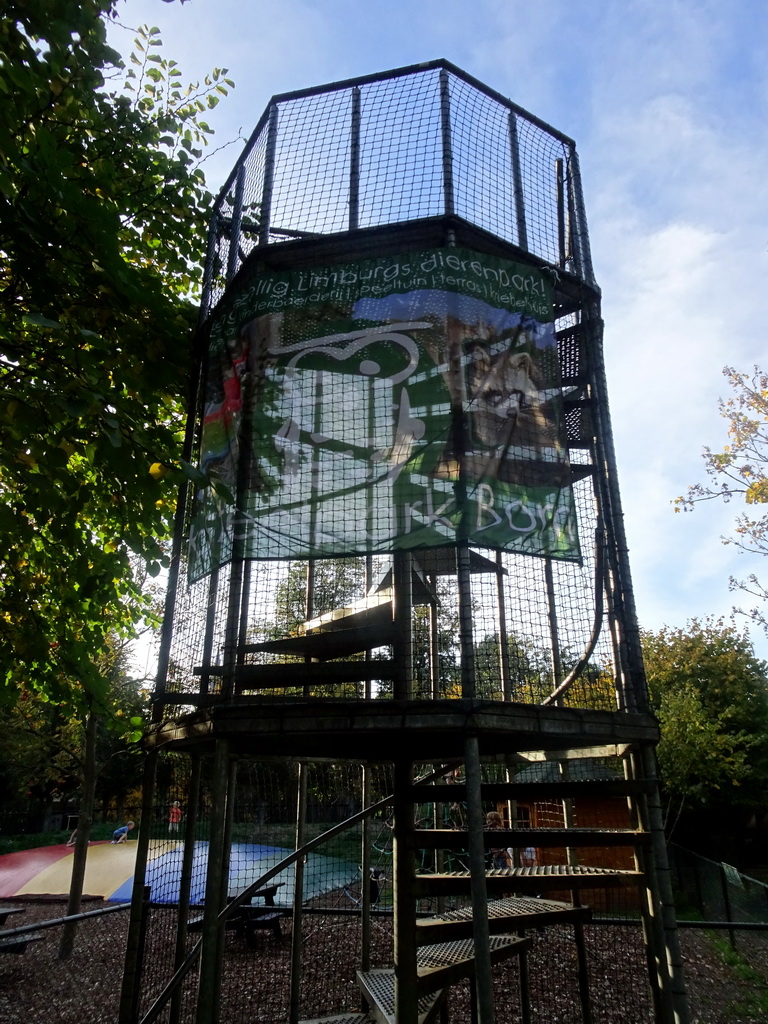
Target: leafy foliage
(102, 217)
(741, 470)
(711, 696)
(42, 744)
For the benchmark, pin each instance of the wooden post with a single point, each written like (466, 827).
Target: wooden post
(298, 894)
(447, 145)
(365, 871)
(560, 201)
(480, 930)
(727, 904)
(354, 162)
(674, 1004)
(554, 633)
(185, 883)
(131, 988)
(403, 646)
(265, 219)
(406, 995)
(517, 183)
(208, 981)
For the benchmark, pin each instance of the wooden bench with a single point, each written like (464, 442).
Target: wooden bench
(6, 912)
(253, 918)
(18, 943)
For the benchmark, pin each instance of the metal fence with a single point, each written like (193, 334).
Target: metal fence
(723, 920)
(720, 895)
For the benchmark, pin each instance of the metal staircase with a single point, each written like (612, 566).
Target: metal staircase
(485, 918)
(492, 907)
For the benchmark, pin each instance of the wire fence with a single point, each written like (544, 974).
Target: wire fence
(718, 892)
(256, 980)
(723, 916)
(328, 480)
(724, 956)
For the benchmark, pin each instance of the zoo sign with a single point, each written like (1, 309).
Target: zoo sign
(395, 403)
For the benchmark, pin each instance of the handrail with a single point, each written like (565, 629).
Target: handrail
(189, 961)
(25, 929)
(583, 661)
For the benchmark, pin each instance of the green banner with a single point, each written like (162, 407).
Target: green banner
(394, 403)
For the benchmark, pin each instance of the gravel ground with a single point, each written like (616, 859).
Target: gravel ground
(36, 986)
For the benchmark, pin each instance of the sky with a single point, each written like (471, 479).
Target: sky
(668, 103)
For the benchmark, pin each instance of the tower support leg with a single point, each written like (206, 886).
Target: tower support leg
(218, 862)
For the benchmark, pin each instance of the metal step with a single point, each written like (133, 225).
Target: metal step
(500, 881)
(439, 965)
(519, 838)
(444, 963)
(378, 989)
(513, 913)
(341, 1018)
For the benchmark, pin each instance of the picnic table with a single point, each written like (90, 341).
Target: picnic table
(250, 917)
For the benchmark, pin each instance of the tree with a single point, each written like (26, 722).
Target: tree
(741, 470)
(711, 695)
(335, 583)
(102, 218)
(42, 745)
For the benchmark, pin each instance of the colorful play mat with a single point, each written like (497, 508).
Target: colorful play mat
(110, 869)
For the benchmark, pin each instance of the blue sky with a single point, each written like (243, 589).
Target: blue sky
(668, 103)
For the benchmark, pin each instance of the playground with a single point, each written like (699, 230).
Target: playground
(402, 755)
(82, 988)
(724, 986)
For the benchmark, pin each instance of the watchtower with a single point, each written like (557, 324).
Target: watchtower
(405, 542)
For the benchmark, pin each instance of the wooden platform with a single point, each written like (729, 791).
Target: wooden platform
(380, 730)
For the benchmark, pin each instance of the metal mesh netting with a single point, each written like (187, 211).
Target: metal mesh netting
(321, 454)
(532, 621)
(512, 625)
(258, 946)
(407, 499)
(387, 149)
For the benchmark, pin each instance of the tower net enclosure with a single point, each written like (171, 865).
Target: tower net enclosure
(400, 638)
(403, 378)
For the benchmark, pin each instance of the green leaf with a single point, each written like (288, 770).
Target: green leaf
(36, 320)
(104, 241)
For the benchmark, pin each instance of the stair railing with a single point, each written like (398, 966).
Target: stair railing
(162, 1000)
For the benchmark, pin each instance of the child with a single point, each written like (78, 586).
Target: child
(121, 834)
(174, 816)
(528, 857)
